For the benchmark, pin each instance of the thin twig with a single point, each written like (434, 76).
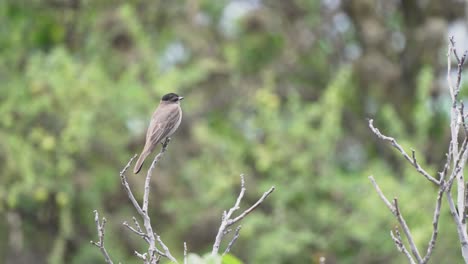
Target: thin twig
(152, 250)
(459, 71)
(460, 162)
(435, 224)
(100, 225)
(153, 255)
(248, 211)
(445, 170)
(462, 236)
(395, 144)
(452, 45)
(226, 219)
(400, 246)
(124, 181)
(462, 115)
(396, 212)
(185, 253)
(456, 117)
(136, 231)
(137, 225)
(142, 256)
(381, 195)
(149, 173)
(233, 240)
(465, 209)
(407, 232)
(167, 253)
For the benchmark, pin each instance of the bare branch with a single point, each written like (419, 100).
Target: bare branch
(142, 256)
(456, 117)
(149, 173)
(233, 240)
(395, 144)
(153, 255)
(445, 170)
(462, 236)
(465, 209)
(456, 161)
(459, 71)
(462, 115)
(185, 253)
(407, 232)
(136, 231)
(167, 253)
(449, 66)
(435, 224)
(381, 195)
(400, 246)
(248, 211)
(452, 48)
(226, 219)
(460, 161)
(124, 181)
(100, 225)
(137, 225)
(396, 212)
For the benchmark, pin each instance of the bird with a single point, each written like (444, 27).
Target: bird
(164, 122)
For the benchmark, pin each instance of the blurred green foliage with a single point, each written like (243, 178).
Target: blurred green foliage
(270, 92)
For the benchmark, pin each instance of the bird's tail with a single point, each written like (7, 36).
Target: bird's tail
(140, 161)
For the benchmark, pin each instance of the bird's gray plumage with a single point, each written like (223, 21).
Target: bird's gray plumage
(165, 121)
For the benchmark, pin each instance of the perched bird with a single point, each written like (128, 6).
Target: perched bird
(164, 122)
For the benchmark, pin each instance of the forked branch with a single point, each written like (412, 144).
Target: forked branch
(227, 221)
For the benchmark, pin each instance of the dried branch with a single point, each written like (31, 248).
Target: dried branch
(456, 156)
(435, 224)
(167, 253)
(185, 253)
(153, 255)
(452, 49)
(226, 219)
(460, 61)
(462, 236)
(465, 209)
(456, 117)
(142, 256)
(460, 162)
(396, 212)
(394, 208)
(400, 246)
(412, 160)
(409, 237)
(149, 173)
(381, 195)
(233, 240)
(136, 231)
(100, 225)
(462, 115)
(124, 181)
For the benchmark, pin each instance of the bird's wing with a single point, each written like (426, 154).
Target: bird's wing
(162, 124)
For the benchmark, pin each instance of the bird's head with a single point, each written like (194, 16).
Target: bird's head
(171, 98)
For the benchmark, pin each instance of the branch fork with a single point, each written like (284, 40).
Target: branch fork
(226, 220)
(456, 161)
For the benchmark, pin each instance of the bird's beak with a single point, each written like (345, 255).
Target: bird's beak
(180, 98)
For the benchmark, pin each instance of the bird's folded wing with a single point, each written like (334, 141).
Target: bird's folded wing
(162, 124)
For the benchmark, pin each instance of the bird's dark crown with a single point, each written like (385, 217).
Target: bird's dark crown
(170, 97)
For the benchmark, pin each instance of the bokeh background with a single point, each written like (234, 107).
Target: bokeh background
(277, 90)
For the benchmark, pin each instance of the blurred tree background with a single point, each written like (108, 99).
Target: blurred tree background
(278, 90)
